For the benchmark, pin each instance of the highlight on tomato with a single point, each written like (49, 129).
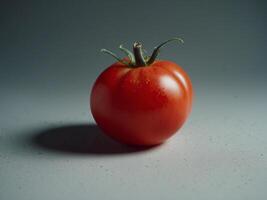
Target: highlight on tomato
(140, 100)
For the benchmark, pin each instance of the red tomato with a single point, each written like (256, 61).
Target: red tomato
(141, 105)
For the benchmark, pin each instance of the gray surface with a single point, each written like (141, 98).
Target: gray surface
(49, 60)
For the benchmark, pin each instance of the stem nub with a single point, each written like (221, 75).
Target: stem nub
(138, 54)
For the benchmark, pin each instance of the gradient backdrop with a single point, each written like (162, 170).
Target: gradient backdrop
(49, 59)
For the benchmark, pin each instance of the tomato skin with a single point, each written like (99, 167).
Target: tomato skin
(142, 105)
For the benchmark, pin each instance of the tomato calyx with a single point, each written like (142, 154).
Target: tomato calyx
(138, 58)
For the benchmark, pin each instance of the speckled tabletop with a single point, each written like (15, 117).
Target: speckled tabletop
(219, 154)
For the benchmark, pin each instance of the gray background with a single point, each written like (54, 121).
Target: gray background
(49, 58)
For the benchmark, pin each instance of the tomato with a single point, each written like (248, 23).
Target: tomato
(141, 102)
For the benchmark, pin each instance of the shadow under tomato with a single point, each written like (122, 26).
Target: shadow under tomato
(81, 139)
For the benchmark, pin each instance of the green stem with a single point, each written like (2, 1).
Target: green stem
(137, 58)
(115, 56)
(156, 50)
(128, 53)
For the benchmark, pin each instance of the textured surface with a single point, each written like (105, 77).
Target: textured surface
(49, 60)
